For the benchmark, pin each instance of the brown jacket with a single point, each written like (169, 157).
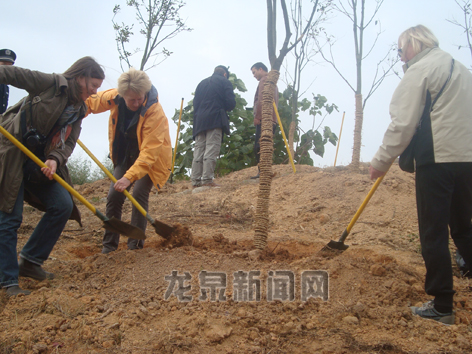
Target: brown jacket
(45, 110)
(258, 102)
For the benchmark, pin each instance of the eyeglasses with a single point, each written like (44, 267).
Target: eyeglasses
(403, 47)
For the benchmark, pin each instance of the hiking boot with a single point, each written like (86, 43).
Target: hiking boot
(32, 270)
(16, 290)
(107, 250)
(428, 311)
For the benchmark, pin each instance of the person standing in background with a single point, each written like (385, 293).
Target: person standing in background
(7, 57)
(214, 97)
(260, 72)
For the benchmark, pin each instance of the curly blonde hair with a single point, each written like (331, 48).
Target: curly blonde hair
(420, 37)
(134, 80)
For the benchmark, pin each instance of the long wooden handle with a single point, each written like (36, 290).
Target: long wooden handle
(283, 135)
(55, 175)
(339, 139)
(109, 175)
(177, 138)
(364, 203)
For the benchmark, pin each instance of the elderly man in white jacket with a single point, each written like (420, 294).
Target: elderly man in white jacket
(434, 101)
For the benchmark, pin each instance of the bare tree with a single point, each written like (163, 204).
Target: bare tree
(303, 54)
(355, 11)
(266, 140)
(159, 21)
(466, 23)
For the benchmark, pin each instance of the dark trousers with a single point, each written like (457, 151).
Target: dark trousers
(115, 201)
(257, 145)
(444, 202)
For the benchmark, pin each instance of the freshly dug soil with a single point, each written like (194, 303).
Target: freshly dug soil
(121, 302)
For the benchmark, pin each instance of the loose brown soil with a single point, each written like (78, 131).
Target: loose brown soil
(115, 303)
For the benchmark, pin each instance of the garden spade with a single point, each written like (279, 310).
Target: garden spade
(112, 224)
(161, 228)
(340, 245)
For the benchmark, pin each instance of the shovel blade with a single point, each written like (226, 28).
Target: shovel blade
(337, 245)
(163, 229)
(120, 227)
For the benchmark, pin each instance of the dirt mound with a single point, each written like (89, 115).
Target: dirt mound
(191, 293)
(181, 236)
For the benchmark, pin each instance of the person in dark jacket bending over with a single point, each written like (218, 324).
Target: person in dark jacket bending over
(214, 97)
(48, 121)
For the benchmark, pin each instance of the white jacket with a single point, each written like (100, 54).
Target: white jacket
(450, 128)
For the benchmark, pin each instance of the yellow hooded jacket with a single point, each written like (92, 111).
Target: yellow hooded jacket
(155, 149)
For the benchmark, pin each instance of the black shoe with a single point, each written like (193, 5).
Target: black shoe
(107, 250)
(255, 177)
(33, 270)
(16, 290)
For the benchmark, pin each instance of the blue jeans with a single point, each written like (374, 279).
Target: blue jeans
(58, 203)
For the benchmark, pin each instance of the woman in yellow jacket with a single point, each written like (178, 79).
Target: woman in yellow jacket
(140, 147)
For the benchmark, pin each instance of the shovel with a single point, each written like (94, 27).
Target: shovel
(340, 245)
(161, 228)
(113, 224)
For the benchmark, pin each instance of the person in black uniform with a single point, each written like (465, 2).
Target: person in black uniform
(7, 57)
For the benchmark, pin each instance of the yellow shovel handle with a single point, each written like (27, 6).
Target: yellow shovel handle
(339, 139)
(177, 138)
(55, 175)
(283, 135)
(108, 173)
(364, 203)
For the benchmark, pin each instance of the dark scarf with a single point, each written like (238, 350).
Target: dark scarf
(125, 144)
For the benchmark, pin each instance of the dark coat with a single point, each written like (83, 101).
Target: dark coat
(3, 98)
(214, 97)
(45, 112)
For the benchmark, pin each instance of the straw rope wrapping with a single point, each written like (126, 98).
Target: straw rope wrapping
(356, 150)
(261, 228)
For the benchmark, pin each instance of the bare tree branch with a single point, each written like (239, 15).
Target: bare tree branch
(357, 15)
(333, 64)
(376, 82)
(159, 21)
(466, 25)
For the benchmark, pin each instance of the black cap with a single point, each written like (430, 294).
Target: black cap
(7, 55)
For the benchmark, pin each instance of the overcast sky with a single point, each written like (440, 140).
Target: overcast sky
(49, 35)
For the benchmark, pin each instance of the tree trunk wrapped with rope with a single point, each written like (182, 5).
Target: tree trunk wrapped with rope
(266, 141)
(265, 164)
(356, 150)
